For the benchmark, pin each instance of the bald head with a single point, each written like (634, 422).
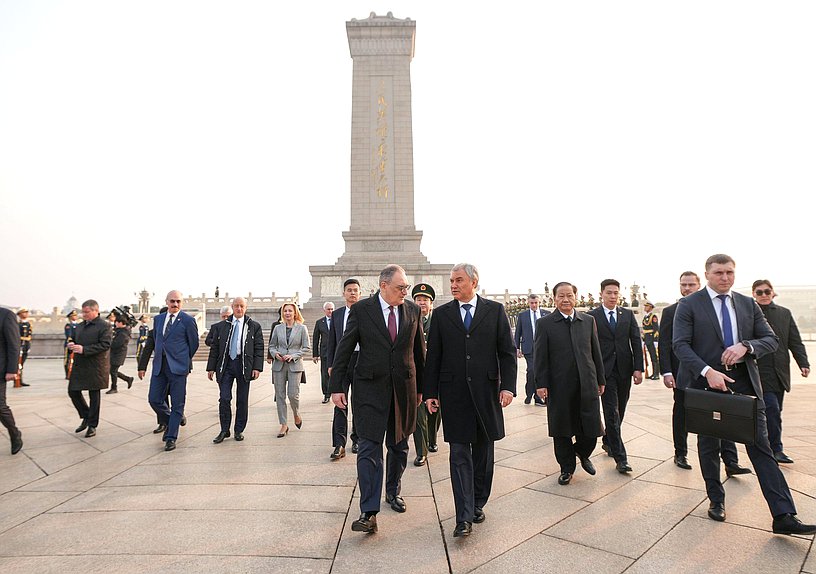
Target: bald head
(174, 301)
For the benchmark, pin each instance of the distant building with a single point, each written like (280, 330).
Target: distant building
(800, 299)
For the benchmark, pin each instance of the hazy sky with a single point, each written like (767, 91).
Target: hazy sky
(190, 144)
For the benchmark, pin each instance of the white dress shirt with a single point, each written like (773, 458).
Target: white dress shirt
(241, 333)
(462, 310)
(387, 311)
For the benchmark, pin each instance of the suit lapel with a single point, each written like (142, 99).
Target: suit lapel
(479, 313)
(376, 313)
(403, 320)
(744, 314)
(455, 315)
(708, 306)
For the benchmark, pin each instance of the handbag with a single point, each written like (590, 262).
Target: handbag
(723, 415)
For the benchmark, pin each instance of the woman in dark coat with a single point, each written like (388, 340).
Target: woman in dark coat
(118, 354)
(91, 365)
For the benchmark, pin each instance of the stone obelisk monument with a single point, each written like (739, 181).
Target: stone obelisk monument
(382, 226)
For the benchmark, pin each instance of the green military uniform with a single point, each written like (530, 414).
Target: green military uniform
(427, 424)
(650, 336)
(70, 336)
(25, 344)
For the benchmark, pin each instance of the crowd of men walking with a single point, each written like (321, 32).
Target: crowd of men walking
(401, 367)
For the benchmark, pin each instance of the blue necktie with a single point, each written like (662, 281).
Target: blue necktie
(612, 322)
(468, 317)
(236, 338)
(728, 335)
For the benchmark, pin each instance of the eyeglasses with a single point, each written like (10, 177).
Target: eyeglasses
(403, 288)
(763, 291)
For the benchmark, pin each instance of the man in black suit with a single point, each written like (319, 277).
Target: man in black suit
(340, 417)
(774, 368)
(471, 373)
(570, 375)
(718, 334)
(523, 338)
(387, 388)
(320, 347)
(670, 364)
(216, 328)
(619, 337)
(237, 357)
(9, 363)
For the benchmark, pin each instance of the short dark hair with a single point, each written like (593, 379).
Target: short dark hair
(561, 284)
(351, 281)
(759, 282)
(719, 259)
(532, 297)
(91, 303)
(686, 273)
(607, 282)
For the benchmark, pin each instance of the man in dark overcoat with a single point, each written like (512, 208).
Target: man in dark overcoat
(118, 353)
(91, 351)
(9, 357)
(471, 373)
(570, 375)
(387, 388)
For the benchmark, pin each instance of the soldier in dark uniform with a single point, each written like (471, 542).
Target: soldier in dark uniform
(144, 329)
(25, 341)
(427, 425)
(650, 336)
(70, 337)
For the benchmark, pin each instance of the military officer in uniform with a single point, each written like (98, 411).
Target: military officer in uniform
(650, 336)
(25, 341)
(144, 329)
(70, 337)
(427, 425)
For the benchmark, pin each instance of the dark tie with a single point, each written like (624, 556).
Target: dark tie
(728, 334)
(468, 317)
(169, 325)
(392, 324)
(568, 320)
(612, 322)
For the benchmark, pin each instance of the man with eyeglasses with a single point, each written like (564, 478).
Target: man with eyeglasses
(774, 368)
(387, 388)
(176, 338)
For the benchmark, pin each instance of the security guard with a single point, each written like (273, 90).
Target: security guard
(650, 336)
(427, 425)
(25, 341)
(70, 337)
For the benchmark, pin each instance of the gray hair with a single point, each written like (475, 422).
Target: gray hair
(387, 274)
(225, 309)
(469, 269)
(326, 305)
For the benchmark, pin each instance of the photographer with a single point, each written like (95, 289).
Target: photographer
(119, 346)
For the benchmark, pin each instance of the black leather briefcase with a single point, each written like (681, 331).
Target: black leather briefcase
(727, 416)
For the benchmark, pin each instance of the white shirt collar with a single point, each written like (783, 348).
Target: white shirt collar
(384, 304)
(472, 302)
(572, 316)
(607, 310)
(713, 294)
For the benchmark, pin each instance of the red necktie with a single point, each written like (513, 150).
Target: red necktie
(392, 324)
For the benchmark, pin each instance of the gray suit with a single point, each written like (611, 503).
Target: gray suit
(287, 375)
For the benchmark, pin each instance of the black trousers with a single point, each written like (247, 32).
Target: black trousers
(614, 401)
(324, 375)
(341, 416)
(651, 346)
(728, 450)
(773, 410)
(530, 384)
(771, 480)
(370, 467)
(88, 413)
(6, 416)
(233, 372)
(115, 375)
(471, 470)
(566, 450)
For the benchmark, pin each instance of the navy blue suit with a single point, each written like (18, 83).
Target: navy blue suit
(523, 339)
(698, 342)
(172, 362)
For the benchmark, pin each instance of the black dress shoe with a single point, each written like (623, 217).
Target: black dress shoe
(432, 448)
(170, 445)
(682, 462)
(16, 442)
(540, 402)
(24, 385)
(164, 436)
(528, 400)
(111, 391)
(91, 432)
(478, 515)
(396, 502)
(221, 436)
(735, 469)
(789, 524)
(338, 453)
(183, 421)
(354, 448)
(716, 511)
(238, 435)
(605, 448)
(783, 458)
(564, 478)
(365, 524)
(587, 465)
(325, 400)
(158, 429)
(130, 382)
(81, 427)
(462, 529)
(420, 460)
(623, 467)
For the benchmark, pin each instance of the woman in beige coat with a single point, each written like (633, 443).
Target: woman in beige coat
(287, 345)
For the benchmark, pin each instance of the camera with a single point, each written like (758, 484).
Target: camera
(123, 315)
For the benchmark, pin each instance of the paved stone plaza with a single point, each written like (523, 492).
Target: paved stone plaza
(118, 503)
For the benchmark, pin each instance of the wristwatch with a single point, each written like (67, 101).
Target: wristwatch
(748, 346)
